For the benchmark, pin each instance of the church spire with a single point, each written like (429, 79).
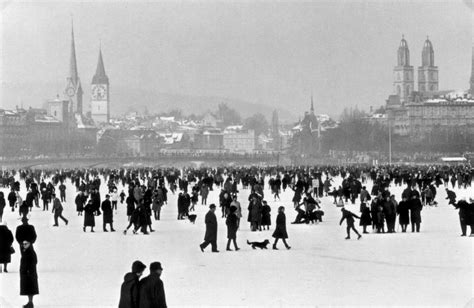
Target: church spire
(312, 105)
(471, 90)
(73, 63)
(100, 77)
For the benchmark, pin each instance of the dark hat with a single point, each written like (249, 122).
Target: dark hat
(138, 267)
(212, 206)
(155, 266)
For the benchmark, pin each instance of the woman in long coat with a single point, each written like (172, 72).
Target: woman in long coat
(28, 274)
(365, 219)
(266, 216)
(403, 212)
(232, 226)
(89, 219)
(6, 241)
(280, 230)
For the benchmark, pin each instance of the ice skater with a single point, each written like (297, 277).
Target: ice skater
(58, 211)
(349, 217)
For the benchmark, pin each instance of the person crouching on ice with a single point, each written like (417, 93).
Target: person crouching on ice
(349, 217)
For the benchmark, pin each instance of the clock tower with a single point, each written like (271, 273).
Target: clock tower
(100, 99)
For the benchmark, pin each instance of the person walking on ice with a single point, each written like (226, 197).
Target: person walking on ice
(349, 217)
(280, 230)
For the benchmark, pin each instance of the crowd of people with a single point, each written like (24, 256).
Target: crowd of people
(145, 191)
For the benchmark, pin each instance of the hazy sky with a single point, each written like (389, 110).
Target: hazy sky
(273, 53)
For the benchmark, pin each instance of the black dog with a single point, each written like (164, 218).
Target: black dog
(261, 245)
(192, 218)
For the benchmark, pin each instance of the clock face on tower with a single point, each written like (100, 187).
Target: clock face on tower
(70, 91)
(99, 92)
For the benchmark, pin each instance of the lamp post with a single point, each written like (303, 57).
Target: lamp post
(389, 139)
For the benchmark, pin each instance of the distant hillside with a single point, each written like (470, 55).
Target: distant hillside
(129, 100)
(125, 99)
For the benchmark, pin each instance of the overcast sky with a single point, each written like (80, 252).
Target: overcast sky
(267, 52)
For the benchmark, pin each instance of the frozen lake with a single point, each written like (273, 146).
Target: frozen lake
(77, 269)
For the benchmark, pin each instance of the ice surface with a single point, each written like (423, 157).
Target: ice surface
(77, 269)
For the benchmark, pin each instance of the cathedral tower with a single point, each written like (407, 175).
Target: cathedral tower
(427, 72)
(403, 73)
(73, 84)
(100, 100)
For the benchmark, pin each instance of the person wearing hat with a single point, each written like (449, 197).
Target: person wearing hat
(25, 232)
(129, 291)
(152, 291)
(28, 273)
(108, 214)
(211, 229)
(232, 227)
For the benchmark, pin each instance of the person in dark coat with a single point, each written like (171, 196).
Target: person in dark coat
(280, 229)
(404, 215)
(89, 219)
(266, 216)
(2, 205)
(28, 274)
(349, 217)
(6, 241)
(107, 214)
(232, 227)
(463, 208)
(365, 219)
(451, 195)
(25, 232)
(211, 229)
(80, 201)
(129, 291)
(152, 291)
(58, 211)
(415, 213)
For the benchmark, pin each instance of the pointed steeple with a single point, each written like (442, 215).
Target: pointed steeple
(100, 77)
(312, 105)
(471, 90)
(73, 63)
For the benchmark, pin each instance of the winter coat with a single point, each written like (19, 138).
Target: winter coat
(57, 207)
(28, 274)
(365, 219)
(403, 212)
(80, 200)
(211, 227)
(25, 233)
(129, 292)
(280, 230)
(6, 241)
(107, 212)
(152, 292)
(89, 219)
(255, 212)
(415, 210)
(266, 216)
(232, 226)
(349, 217)
(130, 205)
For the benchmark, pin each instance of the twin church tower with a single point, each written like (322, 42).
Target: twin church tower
(404, 81)
(100, 90)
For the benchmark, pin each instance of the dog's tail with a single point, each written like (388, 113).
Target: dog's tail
(248, 242)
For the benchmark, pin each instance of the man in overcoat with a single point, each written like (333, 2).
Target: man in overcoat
(211, 229)
(152, 291)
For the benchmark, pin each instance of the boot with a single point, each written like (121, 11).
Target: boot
(274, 247)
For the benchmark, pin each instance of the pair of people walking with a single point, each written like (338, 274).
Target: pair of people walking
(148, 292)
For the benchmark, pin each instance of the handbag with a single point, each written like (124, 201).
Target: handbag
(12, 250)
